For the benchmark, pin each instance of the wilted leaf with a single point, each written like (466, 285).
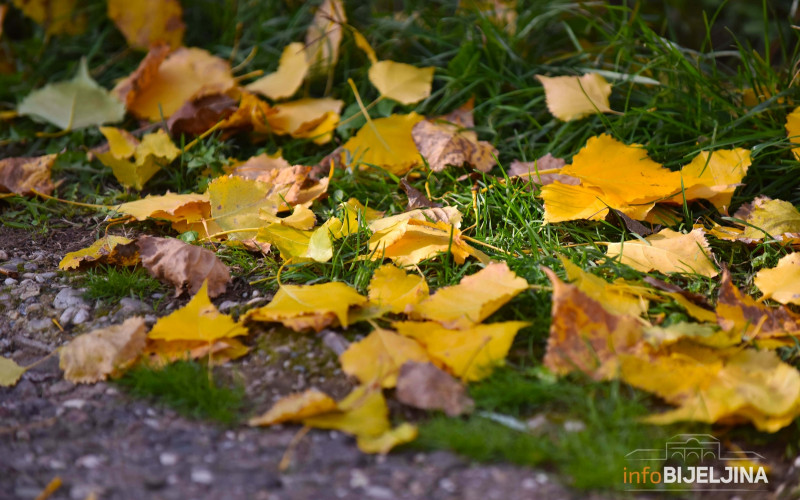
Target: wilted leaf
(103, 251)
(474, 299)
(378, 357)
(324, 36)
(148, 22)
(410, 241)
(155, 151)
(424, 386)
(416, 198)
(471, 353)
(584, 335)
(309, 306)
(10, 372)
(782, 282)
(703, 334)
(199, 114)
(164, 85)
(572, 97)
(530, 170)
(386, 143)
(668, 252)
(296, 407)
(185, 266)
(616, 298)
(73, 104)
(93, 356)
(402, 82)
(24, 175)
(314, 119)
(198, 320)
(287, 79)
(793, 131)
(442, 144)
(714, 176)
(56, 16)
(768, 218)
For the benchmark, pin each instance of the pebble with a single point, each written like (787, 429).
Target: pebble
(41, 324)
(61, 387)
(227, 305)
(132, 306)
(42, 277)
(28, 289)
(81, 317)
(158, 295)
(30, 266)
(69, 297)
(3, 255)
(90, 461)
(74, 403)
(574, 426)
(10, 282)
(168, 459)
(202, 476)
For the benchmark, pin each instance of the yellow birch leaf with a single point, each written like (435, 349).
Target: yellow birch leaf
(363, 412)
(102, 250)
(473, 299)
(393, 290)
(386, 143)
(94, 356)
(237, 204)
(704, 334)
(291, 72)
(163, 352)
(56, 16)
(714, 176)
(378, 357)
(793, 131)
(149, 156)
(309, 118)
(668, 252)
(563, 202)
(324, 36)
(615, 298)
(471, 353)
(448, 215)
(572, 97)
(695, 311)
(10, 372)
(362, 43)
(148, 22)
(296, 407)
(181, 209)
(409, 242)
(301, 218)
(782, 282)
(301, 245)
(309, 306)
(402, 82)
(383, 443)
(354, 212)
(198, 320)
(769, 218)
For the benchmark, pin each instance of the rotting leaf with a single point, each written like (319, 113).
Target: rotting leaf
(416, 198)
(24, 175)
(424, 386)
(442, 144)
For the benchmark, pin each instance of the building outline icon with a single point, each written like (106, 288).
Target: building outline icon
(700, 447)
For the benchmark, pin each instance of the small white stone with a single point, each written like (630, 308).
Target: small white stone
(358, 479)
(168, 459)
(10, 281)
(76, 404)
(80, 317)
(447, 485)
(797, 462)
(90, 461)
(202, 476)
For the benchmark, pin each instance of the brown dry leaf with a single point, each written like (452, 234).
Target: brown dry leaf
(252, 114)
(56, 16)
(782, 282)
(289, 76)
(296, 407)
(473, 299)
(110, 249)
(145, 23)
(378, 357)
(442, 144)
(402, 82)
(295, 183)
(386, 143)
(502, 13)
(743, 315)
(416, 198)
(185, 266)
(530, 170)
(410, 241)
(199, 114)
(424, 386)
(301, 307)
(94, 356)
(314, 119)
(668, 252)
(24, 175)
(572, 97)
(161, 86)
(584, 335)
(324, 36)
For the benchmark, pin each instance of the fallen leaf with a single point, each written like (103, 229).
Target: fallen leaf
(473, 299)
(291, 72)
(160, 89)
(324, 36)
(163, 352)
(502, 13)
(149, 22)
(793, 131)
(530, 170)
(424, 386)
(410, 241)
(357, 214)
(362, 43)
(73, 104)
(471, 353)
(155, 151)
(386, 143)
(714, 176)
(24, 175)
(185, 266)
(199, 114)
(252, 114)
(363, 412)
(383, 443)
(584, 336)
(401, 82)
(703, 334)
(308, 118)
(94, 356)
(302, 245)
(378, 357)
(110, 249)
(616, 298)
(185, 211)
(442, 144)
(572, 97)
(393, 290)
(767, 218)
(10, 372)
(296, 407)
(448, 215)
(782, 282)
(668, 252)
(301, 218)
(416, 198)
(300, 307)
(199, 320)
(56, 16)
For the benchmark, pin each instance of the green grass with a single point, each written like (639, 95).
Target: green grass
(190, 388)
(110, 283)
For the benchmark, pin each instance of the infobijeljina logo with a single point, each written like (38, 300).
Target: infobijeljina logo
(694, 462)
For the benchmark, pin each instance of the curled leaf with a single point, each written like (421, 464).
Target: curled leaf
(94, 356)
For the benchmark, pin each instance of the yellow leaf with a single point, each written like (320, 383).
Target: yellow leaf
(302, 245)
(364, 45)
(185, 73)
(301, 218)
(237, 204)
(584, 335)
(386, 143)
(793, 131)
(703, 334)
(668, 252)
(324, 36)
(402, 82)
(572, 97)
(563, 202)
(198, 320)
(155, 151)
(309, 118)
(162, 352)
(355, 212)
(474, 299)
(57, 16)
(284, 82)
(471, 353)
(393, 290)
(309, 306)
(714, 176)
(409, 242)
(378, 357)
(102, 250)
(442, 144)
(782, 282)
(383, 443)
(296, 407)
(24, 175)
(187, 212)
(363, 412)
(616, 298)
(448, 215)
(94, 356)
(10, 372)
(695, 311)
(149, 22)
(769, 218)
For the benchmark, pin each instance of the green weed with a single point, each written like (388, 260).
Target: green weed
(110, 283)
